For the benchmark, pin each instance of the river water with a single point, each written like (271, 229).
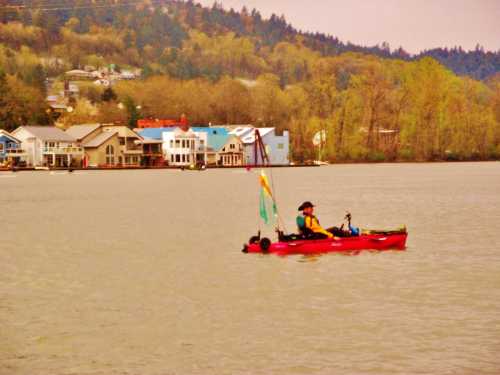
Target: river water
(140, 273)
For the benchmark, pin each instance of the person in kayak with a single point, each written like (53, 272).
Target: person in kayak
(309, 225)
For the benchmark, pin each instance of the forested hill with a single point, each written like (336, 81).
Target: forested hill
(146, 28)
(225, 67)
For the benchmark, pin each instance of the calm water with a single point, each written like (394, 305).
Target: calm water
(139, 272)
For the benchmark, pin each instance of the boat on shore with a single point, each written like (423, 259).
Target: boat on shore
(295, 245)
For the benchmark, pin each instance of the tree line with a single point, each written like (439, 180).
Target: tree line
(385, 110)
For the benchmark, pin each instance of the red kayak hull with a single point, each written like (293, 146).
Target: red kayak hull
(377, 242)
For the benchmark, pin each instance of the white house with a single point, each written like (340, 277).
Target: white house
(277, 146)
(48, 146)
(184, 147)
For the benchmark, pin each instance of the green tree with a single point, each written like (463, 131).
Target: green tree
(132, 112)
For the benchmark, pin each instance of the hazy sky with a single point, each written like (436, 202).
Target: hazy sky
(413, 24)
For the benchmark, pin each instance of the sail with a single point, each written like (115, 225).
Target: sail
(267, 205)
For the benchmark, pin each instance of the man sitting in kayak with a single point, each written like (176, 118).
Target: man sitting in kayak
(309, 224)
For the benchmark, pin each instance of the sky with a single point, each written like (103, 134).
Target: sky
(415, 25)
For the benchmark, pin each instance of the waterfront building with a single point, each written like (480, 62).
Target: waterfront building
(11, 152)
(102, 150)
(152, 152)
(110, 145)
(277, 145)
(223, 149)
(130, 150)
(48, 146)
(197, 145)
(184, 147)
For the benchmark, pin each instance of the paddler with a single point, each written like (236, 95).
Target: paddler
(309, 224)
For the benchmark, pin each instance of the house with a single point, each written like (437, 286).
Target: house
(184, 146)
(223, 149)
(175, 143)
(48, 146)
(11, 152)
(130, 151)
(95, 146)
(78, 74)
(127, 74)
(102, 150)
(152, 152)
(106, 145)
(277, 145)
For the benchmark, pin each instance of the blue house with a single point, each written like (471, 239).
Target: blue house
(10, 149)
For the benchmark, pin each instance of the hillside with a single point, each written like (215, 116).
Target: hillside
(158, 24)
(223, 66)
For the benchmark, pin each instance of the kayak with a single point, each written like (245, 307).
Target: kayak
(379, 242)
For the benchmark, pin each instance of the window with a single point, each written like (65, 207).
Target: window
(1, 147)
(178, 158)
(183, 158)
(177, 143)
(281, 146)
(172, 158)
(122, 141)
(110, 154)
(171, 143)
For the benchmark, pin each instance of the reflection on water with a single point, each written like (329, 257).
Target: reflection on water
(140, 272)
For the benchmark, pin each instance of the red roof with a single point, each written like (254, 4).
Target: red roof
(161, 123)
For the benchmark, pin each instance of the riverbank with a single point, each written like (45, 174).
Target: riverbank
(114, 168)
(45, 169)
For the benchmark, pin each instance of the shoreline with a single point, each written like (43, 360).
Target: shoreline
(128, 168)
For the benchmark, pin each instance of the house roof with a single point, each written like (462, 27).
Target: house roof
(122, 131)
(100, 139)
(217, 141)
(217, 137)
(248, 137)
(48, 133)
(81, 131)
(77, 71)
(8, 135)
(58, 106)
(211, 130)
(154, 133)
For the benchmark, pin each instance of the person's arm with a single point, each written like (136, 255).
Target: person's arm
(314, 226)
